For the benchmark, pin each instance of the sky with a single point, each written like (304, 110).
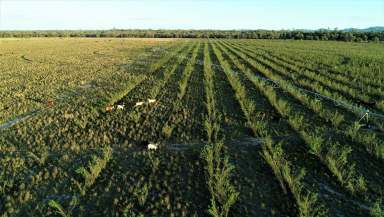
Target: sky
(189, 14)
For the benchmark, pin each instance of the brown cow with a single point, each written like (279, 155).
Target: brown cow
(109, 108)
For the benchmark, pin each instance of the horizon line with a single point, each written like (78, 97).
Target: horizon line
(193, 29)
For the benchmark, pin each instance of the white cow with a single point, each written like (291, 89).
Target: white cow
(151, 100)
(139, 104)
(120, 107)
(152, 146)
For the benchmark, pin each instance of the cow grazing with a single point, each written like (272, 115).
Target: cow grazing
(139, 104)
(120, 107)
(151, 100)
(152, 146)
(109, 108)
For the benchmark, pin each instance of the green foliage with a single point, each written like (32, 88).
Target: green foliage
(212, 127)
(297, 121)
(141, 193)
(373, 144)
(353, 129)
(380, 104)
(377, 210)
(247, 105)
(94, 168)
(337, 161)
(41, 158)
(218, 172)
(70, 77)
(337, 119)
(186, 74)
(222, 91)
(167, 131)
(316, 143)
(307, 201)
(335, 35)
(213, 119)
(58, 208)
(284, 106)
(274, 156)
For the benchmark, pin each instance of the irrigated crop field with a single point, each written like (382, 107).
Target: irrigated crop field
(239, 128)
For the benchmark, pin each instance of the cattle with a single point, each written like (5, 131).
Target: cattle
(139, 104)
(109, 108)
(151, 100)
(152, 146)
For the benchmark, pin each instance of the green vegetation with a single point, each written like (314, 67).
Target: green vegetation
(58, 207)
(212, 120)
(223, 193)
(306, 201)
(93, 170)
(323, 35)
(241, 127)
(376, 209)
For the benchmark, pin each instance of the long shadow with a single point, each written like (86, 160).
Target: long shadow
(190, 114)
(233, 119)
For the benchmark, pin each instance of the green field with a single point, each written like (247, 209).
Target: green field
(244, 127)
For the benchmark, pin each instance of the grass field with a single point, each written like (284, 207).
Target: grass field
(245, 127)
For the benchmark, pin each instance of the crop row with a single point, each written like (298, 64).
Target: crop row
(46, 153)
(304, 156)
(336, 159)
(318, 83)
(338, 118)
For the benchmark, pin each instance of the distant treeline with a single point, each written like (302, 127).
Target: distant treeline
(230, 34)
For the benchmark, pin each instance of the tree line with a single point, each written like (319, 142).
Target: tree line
(324, 35)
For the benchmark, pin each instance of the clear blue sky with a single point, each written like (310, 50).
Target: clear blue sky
(190, 14)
